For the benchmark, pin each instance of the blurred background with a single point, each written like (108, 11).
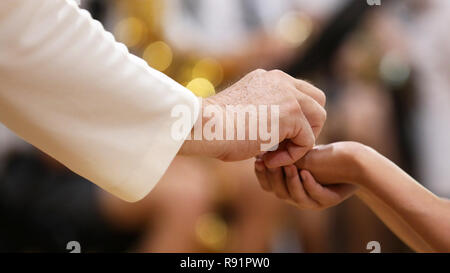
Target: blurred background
(385, 70)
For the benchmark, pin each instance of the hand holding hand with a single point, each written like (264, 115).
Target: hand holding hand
(301, 118)
(335, 166)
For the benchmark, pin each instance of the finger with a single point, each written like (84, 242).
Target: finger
(277, 158)
(326, 195)
(261, 174)
(316, 191)
(294, 148)
(313, 111)
(303, 138)
(276, 179)
(310, 90)
(295, 188)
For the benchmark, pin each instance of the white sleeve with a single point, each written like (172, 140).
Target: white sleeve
(69, 89)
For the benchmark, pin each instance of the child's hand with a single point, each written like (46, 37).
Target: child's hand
(335, 166)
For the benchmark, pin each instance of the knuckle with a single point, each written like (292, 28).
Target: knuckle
(288, 113)
(258, 71)
(322, 98)
(294, 108)
(318, 117)
(321, 116)
(277, 73)
(255, 74)
(324, 116)
(309, 141)
(319, 95)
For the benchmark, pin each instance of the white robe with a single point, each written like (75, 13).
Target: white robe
(70, 90)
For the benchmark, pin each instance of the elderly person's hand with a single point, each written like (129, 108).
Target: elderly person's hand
(295, 116)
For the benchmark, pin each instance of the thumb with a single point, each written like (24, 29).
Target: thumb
(294, 146)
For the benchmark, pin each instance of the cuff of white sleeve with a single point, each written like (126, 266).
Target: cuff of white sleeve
(158, 157)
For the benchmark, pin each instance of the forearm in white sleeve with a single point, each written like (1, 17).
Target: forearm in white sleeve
(69, 89)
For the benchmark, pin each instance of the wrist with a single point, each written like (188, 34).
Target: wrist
(359, 156)
(191, 146)
(197, 143)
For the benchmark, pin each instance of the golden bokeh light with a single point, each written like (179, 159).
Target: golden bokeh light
(212, 231)
(209, 69)
(184, 75)
(294, 28)
(158, 55)
(201, 87)
(130, 31)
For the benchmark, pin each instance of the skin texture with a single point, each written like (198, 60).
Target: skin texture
(302, 116)
(414, 214)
